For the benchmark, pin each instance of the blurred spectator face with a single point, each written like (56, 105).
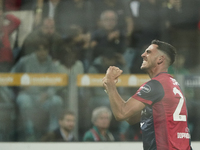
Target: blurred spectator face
(108, 20)
(48, 27)
(67, 123)
(103, 121)
(42, 53)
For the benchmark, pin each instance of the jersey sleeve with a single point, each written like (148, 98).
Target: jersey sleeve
(150, 92)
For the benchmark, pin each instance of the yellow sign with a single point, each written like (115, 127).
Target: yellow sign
(21, 79)
(128, 80)
(83, 80)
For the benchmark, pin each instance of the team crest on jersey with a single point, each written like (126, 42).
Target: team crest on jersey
(146, 88)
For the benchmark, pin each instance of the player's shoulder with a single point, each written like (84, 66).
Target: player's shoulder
(152, 86)
(153, 83)
(164, 78)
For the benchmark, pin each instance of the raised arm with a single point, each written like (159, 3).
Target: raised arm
(129, 110)
(14, 23)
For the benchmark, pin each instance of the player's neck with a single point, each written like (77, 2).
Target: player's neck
(155, 71)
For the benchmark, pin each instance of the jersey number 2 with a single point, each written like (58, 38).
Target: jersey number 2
(176, 115)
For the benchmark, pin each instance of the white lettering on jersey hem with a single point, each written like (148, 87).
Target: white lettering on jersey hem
(181, 135)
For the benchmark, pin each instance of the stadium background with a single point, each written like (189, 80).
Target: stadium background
(139, 21)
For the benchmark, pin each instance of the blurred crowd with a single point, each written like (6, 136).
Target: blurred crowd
(87, 36)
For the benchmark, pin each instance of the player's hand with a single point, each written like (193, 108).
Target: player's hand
(113, 73)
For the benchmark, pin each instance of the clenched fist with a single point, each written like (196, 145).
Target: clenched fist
(113, 73)
(111, 77)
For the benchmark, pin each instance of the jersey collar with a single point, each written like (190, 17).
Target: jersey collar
(160, 73)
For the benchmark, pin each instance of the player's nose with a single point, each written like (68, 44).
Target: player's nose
(143, 55)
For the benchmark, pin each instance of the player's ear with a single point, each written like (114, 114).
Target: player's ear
(161, 59)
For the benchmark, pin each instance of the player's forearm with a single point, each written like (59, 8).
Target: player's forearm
(116, 101)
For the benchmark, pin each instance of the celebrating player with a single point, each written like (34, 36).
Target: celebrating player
(158, 104)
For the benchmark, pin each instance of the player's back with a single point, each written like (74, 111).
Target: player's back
(170, 116)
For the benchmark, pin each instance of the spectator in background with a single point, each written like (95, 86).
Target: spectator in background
(146, 18)
(182, 17)
(101, 117)
(6, 54)
(74, 12)
(46, 31)
(41, 8)
(36, 101)
(108, 58)
(125, 22)
(69, 58)
(79, 42)
(17, 5)
(8, 114)
(95, 97)
(69, 64)
(45, 9)
(63, 133)
(12, 5)
(99, 65)
(108, 35)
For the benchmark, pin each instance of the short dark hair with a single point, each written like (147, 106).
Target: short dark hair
(63, 113)
(167, 49)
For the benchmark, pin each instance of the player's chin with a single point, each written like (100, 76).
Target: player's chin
(143, 68)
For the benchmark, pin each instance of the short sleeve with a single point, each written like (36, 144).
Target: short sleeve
(150, 93)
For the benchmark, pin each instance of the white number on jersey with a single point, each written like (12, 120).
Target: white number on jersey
(176, 115)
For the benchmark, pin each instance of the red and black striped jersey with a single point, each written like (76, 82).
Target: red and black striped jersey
(164, 119)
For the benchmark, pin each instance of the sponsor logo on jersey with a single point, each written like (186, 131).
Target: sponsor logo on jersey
(146, 88)
(183, 135)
